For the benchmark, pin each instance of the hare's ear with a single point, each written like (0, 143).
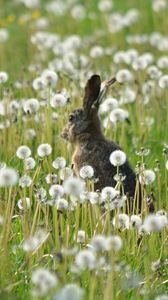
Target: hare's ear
(92, 90)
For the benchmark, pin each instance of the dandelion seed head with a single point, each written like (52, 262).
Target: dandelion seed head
(117, 158)
(44, 150)
(59, 163)
(58, 100)
(43, 281)
(70, 292)
(25, 181)
(23, 152)
(86, 172)
(124, 75)
(3, 77)
(74, 186)
(8, 177)
(148, 177)
(56, 191)
(85, 259)
(31, 106)
(20, 203)
(81, 236)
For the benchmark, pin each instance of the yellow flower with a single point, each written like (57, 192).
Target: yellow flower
(36, 14)
(10, 18)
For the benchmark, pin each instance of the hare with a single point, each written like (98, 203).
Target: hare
(92, 148)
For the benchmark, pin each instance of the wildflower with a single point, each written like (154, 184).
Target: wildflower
(108, 193)
(117, 202)
(44, 281)
(159, 5)
(121, 221)
(162, 62)
(30, 133)
(117, 158)
(20, 203)
(31, 106)
(93, 197)
(124, 75)
(38, 84)
(70, 292)
(154, 72)
(8, 177)
(147, 177)
(49, 77)
(155, 265)
(114, 243)
(29, 163)
(3, 77)
(58, 100)
(135, 221)
(161, 297)
(154, 223)
(85, 259)
(108, 105)
(44, 150)
(65, 173)
(81, 236)
(74, 186)
(23, 152)
(51, 178)
(59, 163)
(62, 204)
(86, 172)
(139, 63)
(78, 12)
(105, 5)
(163, 81)
(4, 35)
(96, 52)
(98, 242)
(56, 191)
(119, 114)
(25, 181)
(40, 194)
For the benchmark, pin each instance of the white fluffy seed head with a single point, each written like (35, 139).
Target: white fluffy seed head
(74, 186)
(85, 259)
(118, 158)
(86, 172)
(163, 81)
(81, 236)
(31, 106)
(58, 100)
(147, 177)
(3, 77)
(124, 75)
(23, 152)
(70, 292)
(59, 163)
(44, 150)
(29, 163)
(8, 177)
(49, 78)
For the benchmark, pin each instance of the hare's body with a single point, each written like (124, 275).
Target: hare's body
(92, 148)
(96, 153)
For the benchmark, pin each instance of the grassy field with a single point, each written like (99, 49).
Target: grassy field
(57, 243)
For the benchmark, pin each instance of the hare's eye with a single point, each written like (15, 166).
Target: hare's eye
(71, 117)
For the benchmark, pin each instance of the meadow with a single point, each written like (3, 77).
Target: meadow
(59, 238)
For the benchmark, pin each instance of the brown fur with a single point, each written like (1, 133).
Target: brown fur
(92, 148)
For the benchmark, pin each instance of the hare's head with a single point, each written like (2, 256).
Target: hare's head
(84, 122)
